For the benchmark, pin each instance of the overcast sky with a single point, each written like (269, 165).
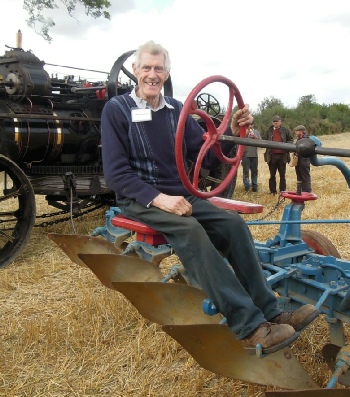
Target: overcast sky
(267, 48)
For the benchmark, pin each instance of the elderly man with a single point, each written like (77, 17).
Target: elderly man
(138, 148)
(277, 158)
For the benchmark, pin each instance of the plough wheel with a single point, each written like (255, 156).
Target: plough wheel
(319, 243)
(17, 214)
(211, 139)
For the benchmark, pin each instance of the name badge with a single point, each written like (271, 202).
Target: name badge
(138, 115)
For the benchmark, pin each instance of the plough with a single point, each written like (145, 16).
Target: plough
(301, 266)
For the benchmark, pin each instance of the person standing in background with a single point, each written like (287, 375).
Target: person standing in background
(302, 169)
(277, 158)
(250, 161)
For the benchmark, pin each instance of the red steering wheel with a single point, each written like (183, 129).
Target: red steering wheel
(210, 138)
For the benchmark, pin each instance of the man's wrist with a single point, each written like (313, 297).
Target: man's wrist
(235, 131)
(154, 200)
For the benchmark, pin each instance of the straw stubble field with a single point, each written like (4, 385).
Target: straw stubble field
(62, 333)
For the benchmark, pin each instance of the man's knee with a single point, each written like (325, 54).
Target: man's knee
(189, 226)
(235, 223)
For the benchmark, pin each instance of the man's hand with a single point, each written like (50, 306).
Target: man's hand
(175, 204)
(240, 118)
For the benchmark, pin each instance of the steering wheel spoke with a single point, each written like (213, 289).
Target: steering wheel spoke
(203, 151)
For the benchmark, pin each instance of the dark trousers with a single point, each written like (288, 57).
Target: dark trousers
(277, 164)
(303, 173)
(250, 166)
(242, 295)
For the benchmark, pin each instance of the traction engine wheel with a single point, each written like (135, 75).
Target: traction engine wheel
(209, 104)
(17, 215)
(211, 138)
(319, 243)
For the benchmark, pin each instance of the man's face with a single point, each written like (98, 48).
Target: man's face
(277, 123)
(299, 134)
(151, 75)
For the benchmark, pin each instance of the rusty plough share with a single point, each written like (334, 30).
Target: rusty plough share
(303, 267)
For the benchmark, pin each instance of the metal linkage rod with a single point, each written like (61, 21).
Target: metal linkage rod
(306, 147)
(290, 147)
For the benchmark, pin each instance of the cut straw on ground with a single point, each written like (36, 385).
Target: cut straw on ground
(62, 333)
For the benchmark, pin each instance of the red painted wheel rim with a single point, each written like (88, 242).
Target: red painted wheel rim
(211, 138)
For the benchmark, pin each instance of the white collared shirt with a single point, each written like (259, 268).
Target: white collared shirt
(142, 104)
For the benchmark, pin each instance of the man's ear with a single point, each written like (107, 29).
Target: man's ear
(134, 67)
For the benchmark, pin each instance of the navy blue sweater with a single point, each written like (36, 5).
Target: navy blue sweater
(139, 157)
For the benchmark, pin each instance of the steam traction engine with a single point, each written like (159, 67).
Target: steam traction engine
(49, 145)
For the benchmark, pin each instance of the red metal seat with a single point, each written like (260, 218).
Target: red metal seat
(144, 233)
(150, 236)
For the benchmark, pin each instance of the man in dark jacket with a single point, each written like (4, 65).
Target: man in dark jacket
(277, 158)
(302, 169)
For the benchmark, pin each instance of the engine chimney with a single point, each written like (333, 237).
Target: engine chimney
(19, 39)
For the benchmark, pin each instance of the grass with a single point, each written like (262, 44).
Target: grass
(63, 333)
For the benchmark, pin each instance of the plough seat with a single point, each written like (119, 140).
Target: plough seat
(143, 233)
(150, 236)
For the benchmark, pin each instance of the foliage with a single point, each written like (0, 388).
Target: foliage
(269, 103)
(318, 119)
(307, 101)
(35, 9)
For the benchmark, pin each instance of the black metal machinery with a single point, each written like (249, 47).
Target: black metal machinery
(49, 144)
(49, 127)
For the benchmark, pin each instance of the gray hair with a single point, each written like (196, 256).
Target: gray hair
(154, 49)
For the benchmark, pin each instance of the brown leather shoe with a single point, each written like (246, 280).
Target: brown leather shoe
(272, 337)
(298, 319)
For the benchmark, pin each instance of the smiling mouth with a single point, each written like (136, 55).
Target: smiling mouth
(152, 84)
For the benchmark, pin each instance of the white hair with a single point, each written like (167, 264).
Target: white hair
(154, 49)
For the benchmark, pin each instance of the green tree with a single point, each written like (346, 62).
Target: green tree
(269, 103)
(308, 112)
(35, 8)
(318, 119)
(339, 114)
(307, 101)
(268, 108)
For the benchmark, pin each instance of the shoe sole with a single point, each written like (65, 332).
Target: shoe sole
(275, 348)
(307, 321)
